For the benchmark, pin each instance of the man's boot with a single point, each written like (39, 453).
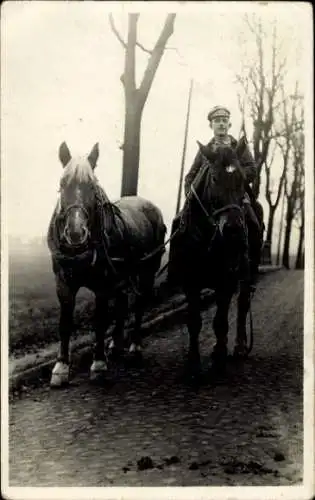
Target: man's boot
(254, 240)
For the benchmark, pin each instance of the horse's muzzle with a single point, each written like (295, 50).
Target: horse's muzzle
(76, 238)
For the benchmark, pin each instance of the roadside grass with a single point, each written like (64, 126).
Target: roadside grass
(34, 307)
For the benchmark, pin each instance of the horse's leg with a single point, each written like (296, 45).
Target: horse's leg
(146, 284)
(66, 296)
(194, 324)
(243, 303)
(116, 346)
(223, 296)
(101, 323)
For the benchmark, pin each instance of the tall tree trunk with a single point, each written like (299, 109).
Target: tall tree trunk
(131, 147)
(299, 263)
(135, 98)
(287, 237)
(280, 231)
(272, 211)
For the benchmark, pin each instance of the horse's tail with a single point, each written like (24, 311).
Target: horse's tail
(160, 232)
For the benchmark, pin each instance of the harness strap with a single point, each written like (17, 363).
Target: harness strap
(200, 202)
(216, 212)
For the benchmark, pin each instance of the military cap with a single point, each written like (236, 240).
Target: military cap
(218, 111)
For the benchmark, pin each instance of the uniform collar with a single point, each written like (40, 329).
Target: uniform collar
(227, 141)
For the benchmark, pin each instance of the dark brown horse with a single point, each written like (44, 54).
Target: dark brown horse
(211, 250)
(101, 246)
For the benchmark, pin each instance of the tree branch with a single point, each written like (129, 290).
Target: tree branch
(143, 48)
(130, 55)
(115, 31)
(155, 58)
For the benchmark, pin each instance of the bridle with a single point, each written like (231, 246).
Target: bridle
(212, 218)
(64, 214)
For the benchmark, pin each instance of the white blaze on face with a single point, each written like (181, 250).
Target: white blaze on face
(230, 169)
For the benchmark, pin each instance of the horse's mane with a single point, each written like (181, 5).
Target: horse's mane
(225, 156)
(78, 170)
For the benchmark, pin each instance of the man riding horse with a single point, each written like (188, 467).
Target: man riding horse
(219, 121)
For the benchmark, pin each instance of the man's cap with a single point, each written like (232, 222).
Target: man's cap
(218, 111)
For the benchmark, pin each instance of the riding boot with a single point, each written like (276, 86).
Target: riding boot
(254, 239)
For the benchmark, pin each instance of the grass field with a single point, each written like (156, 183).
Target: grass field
(33, 304)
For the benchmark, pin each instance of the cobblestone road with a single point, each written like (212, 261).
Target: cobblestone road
(245, 431)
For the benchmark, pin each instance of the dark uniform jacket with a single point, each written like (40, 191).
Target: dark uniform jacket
(246, 160)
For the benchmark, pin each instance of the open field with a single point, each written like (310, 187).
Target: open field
(34, 307)
(33, 304)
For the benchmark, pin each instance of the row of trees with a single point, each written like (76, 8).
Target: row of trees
(277, 119)
(275, 113)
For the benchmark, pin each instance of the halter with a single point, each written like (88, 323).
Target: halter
(64, 215)
(211, 218)
(74, 205)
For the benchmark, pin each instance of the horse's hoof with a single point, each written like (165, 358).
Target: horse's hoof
(60, 375)
(135, 354)
(115, 353)
(98, 371)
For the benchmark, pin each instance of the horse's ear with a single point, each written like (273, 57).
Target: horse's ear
(64, 154)
(241, 145)
(202, 148)
(93, 156)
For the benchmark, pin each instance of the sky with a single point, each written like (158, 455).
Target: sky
(60, 70)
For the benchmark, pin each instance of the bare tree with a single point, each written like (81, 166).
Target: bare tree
(294, 192)
(260, 83)
(299, 263)
(135, 98)
(283, 135)
(270, 189)
(298, 146)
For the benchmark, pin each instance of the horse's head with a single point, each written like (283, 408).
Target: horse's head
(225, 180)
(77, 197)
(223, 191)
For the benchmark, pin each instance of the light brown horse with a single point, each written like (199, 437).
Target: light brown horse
(101, 246)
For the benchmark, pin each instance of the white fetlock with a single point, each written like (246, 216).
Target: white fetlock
(60, 374)
(111, 345)
(135, 348)
(98, 368)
